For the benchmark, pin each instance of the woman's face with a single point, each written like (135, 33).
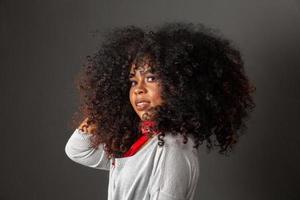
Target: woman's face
(145, 91)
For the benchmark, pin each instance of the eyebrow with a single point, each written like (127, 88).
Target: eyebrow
(131, 75)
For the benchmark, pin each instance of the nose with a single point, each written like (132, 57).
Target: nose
(139, 89)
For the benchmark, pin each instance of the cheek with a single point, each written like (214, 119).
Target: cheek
(131, 97)
(157, 95)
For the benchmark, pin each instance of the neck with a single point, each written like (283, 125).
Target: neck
(148, 126)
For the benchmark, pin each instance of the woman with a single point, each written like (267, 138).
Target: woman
(186, 86)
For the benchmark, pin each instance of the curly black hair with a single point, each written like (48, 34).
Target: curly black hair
(207, 94)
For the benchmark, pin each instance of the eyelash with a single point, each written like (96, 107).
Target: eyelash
(153, 77)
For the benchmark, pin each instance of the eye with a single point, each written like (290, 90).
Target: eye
(132, 82)
(151, 78)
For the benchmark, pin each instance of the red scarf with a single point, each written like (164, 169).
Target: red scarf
(148, 128)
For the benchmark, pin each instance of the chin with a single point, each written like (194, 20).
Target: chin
(141, 115)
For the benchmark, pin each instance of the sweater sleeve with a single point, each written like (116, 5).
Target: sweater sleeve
(176, 174)
(78, 149)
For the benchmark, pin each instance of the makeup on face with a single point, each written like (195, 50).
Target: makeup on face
(145, 94)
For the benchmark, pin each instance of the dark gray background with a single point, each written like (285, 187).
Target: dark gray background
(43, 45)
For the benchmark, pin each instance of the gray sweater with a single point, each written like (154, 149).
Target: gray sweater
(154, 173)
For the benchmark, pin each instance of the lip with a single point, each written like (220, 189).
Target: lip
(142, 104)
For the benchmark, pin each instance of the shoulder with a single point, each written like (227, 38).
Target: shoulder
(176, 169)
(176, 142)
(175, 150)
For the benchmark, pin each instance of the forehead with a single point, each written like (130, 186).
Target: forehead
(141, 68)
(143, 64)
(143, 61)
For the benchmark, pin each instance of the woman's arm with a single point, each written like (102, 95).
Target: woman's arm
(80, 150)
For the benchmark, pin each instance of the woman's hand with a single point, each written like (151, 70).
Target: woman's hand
(87, 128)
